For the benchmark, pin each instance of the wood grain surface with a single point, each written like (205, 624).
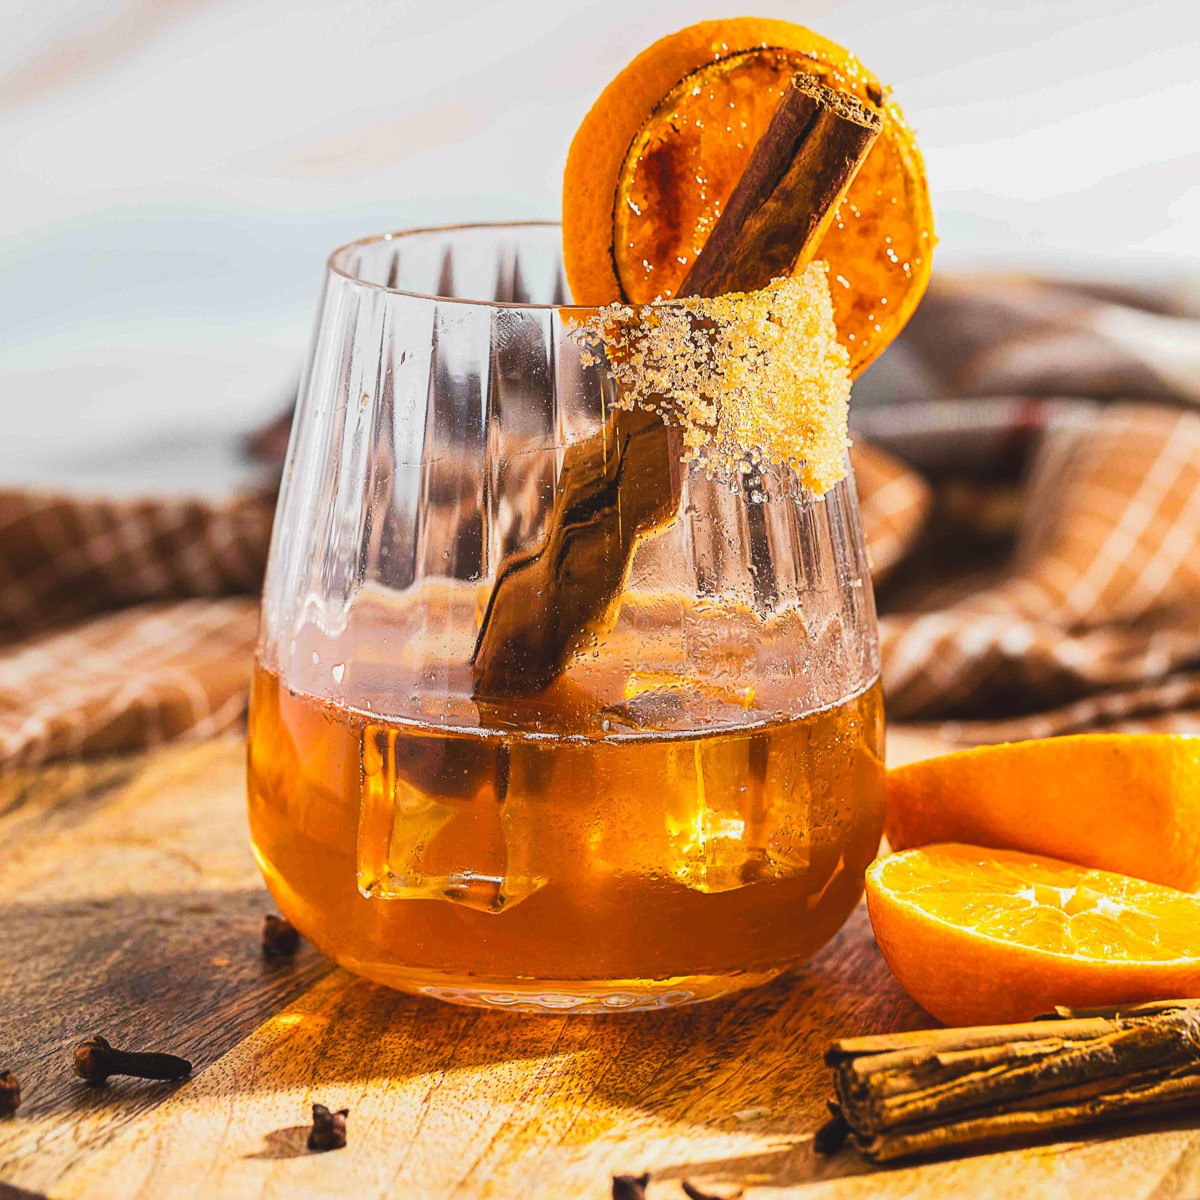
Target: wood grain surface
(131, 906)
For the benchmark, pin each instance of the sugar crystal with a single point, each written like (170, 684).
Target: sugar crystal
(754, 377)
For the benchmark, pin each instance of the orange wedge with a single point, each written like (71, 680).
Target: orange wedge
(982, 937)
(1120, 802)
(662, 148)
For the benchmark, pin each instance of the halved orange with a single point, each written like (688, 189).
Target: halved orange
(660, 151)
(981, 937)
(1117, 801)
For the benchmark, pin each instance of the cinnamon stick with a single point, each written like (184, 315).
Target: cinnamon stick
(625, 481)
(789, 192)
(611, 491)
(913, 1094)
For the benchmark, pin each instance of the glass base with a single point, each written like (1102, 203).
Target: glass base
(580, 996)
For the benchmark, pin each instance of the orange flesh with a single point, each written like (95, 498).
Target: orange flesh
(978, 936)
(686, 159)
(1047, 905)
(683, 165)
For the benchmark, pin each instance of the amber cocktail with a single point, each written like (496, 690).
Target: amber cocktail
(611, 844)
(688, 808)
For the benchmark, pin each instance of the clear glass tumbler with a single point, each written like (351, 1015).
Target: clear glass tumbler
(686, 811)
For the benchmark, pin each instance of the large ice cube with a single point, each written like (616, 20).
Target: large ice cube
(431, 820)
(731, 815)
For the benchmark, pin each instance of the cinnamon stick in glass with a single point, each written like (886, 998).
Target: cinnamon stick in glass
(625, 482)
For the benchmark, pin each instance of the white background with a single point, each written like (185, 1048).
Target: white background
(174, 172)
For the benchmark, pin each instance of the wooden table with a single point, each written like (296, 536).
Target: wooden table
(131, 906)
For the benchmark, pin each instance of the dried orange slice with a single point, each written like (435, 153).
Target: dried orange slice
(1120, 802)
(981, 937)
(662, 148)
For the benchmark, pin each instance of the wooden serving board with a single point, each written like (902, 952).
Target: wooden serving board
(132, 907)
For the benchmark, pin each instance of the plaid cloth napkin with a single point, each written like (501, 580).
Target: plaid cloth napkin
(124, 623)
(1038, 559)
(1055, 587)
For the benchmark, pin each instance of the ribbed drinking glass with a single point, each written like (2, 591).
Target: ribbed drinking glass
(687, 810)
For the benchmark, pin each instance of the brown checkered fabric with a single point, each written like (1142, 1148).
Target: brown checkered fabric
(63, 557)
(895, 503)
(1069, 600)
(1093, 618)
(1066, 599)
(123, 623)
(131, 678)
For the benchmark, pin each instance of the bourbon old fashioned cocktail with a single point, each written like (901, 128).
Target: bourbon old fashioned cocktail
(567, 688)
(631, 834)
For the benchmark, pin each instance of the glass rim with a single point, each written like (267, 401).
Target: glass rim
(334, 267)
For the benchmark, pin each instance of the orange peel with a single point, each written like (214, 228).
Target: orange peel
(1117, 801)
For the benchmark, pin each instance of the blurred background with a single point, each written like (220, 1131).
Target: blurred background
(175, 172)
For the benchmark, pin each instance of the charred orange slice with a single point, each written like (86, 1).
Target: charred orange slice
(659, 153)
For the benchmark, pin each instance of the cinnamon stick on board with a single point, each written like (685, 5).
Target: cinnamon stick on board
(913, 1094)
(624, 482)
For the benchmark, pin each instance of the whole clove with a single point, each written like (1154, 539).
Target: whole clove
(96, 1059)
(10, 1093)
(630, 1187)
(328, 1128)
(280, 938)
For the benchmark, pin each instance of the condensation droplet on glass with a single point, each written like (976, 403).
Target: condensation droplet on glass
(338, 672)
(316, 658)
